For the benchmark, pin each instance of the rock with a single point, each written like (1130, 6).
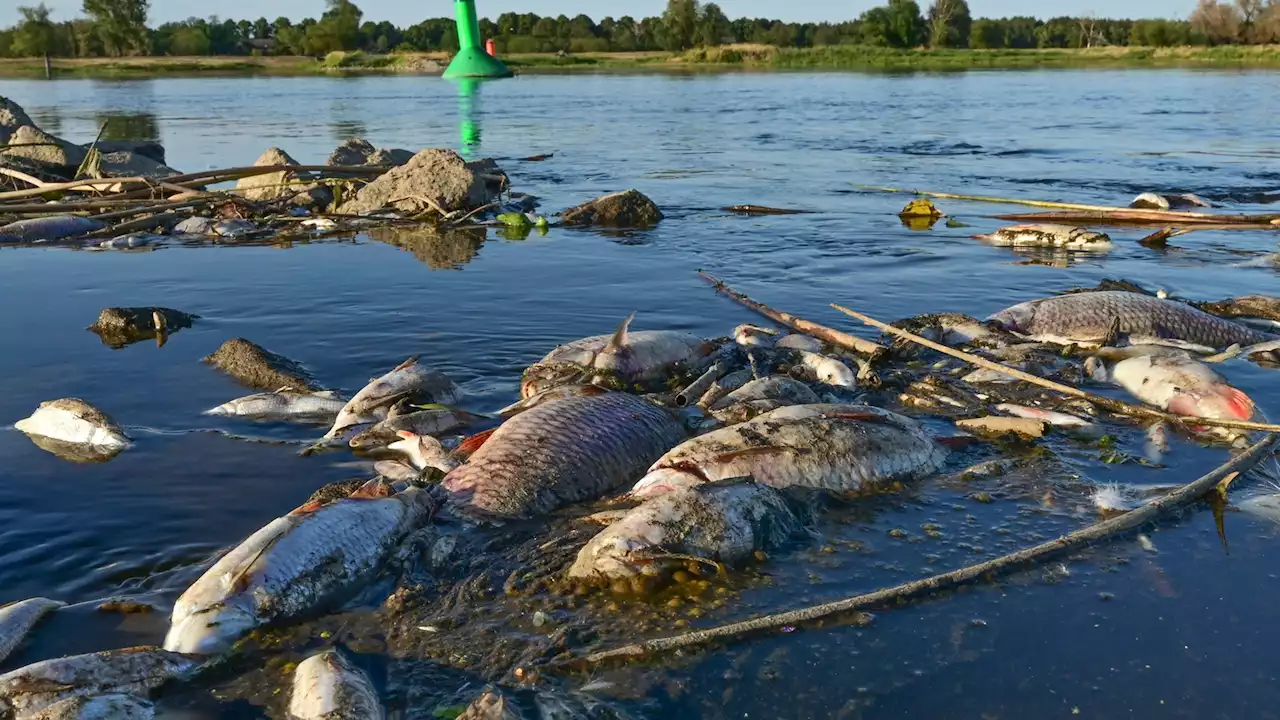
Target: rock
(127, 163)
(992, 426)
(31, 143)
(12, 117)
(629, 209)
(259, 368)
(357, 151)
(264, 188)
(433, 176)
(122, 326)
(312, 197)
(149, 149)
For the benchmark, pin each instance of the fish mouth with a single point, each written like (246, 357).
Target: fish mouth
(208, 633)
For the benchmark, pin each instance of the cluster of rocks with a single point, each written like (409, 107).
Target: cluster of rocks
(30, 150)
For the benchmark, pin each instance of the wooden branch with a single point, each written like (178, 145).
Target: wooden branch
(1117, 406)
(1098, 532)
(1131, 216)
(800, 325)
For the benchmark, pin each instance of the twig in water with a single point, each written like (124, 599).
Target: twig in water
(800, 325)
(1131, 216)
(989, 199)
(473, 213)
(92, 155)
(1098, 532)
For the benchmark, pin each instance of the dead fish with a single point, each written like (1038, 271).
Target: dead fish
(51, 228)
(131, 671)
(722, 522)
(561, 453)
(1265, 505)
(796, 341)
(754, 336)
(296, 565)
(195, 226)
(1066, 237)
(75, 421)
(621, 360)
(234, 228)
(836, 447)
(1181, 386)
(739, 413)
(432, 421)
(825, 369)
(283, 404)
(396, 471)
(494, 704)
(409, 379)
(953, 329)
(1156, 201)
(423, 451)
(18, 619)
(131, 240)
(1053, 418)
(556, 393)
(328, 686)
(775, 387)
(1093, 317)
(111, 706)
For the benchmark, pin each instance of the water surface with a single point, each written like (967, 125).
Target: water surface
(1186, 631)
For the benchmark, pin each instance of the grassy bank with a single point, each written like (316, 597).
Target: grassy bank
(756, 57)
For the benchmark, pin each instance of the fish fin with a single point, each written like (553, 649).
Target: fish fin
(1241, 405)
(1184, 404)
(372, 490)
(1112, 338)
(470, 444)
(618, 342)
(407, 435)
(755, 451)
(407, 363)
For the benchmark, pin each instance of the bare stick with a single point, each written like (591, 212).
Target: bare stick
(989, 199)
(191, 202)
(800, 325)
(1098, 532)
(1118, 406)
(1131, 216)
(23, 177)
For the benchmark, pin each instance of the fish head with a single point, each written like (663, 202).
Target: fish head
(753, 336)
(211, 632)
(664, 480)
(1017, 319)
(546, 376)
(1219, 401)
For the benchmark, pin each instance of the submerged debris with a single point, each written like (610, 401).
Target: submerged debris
(260, 368)
(121, 326)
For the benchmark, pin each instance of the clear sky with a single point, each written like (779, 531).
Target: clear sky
(407, 12)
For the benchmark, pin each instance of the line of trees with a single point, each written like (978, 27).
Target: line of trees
(112, 28)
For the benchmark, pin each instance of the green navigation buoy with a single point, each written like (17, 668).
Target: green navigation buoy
(472, 61)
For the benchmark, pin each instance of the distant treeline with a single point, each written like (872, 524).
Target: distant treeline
(114, 28)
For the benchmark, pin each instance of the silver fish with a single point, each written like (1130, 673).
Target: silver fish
(837, 447)
(826, 369)
(234, 228)
(295, 565)
(328, 687)
(283, 405)
(423, 451)
(1181, 386)
(1089, 318)
(563, 452)
(75, 421)
(775, 387)
(1056, 236)
(195, 226)
(17, 619)
(51, 228)
(560, 392)
(131, 240)
(1265, 505)
(408, 379)
(754, 336)
(1053, 418)
(111, 706)
(432, 421)
(621, 360)
(722, 522)
(131, 671)
(1156, 201)
(796, 341)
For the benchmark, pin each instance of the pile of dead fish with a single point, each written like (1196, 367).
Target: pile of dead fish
(708, 447)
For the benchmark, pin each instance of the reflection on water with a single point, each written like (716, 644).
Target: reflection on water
(73, 452)
(129, 126)
(47, 118)
(440, 249)
(469, 117)
(343, 129)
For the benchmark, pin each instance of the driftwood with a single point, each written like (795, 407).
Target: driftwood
(1131, 216)
(800, 325)
(989, 199)
(762, 210)
(1116, 406)
(1099, 532)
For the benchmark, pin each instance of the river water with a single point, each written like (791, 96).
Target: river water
(1182, 629)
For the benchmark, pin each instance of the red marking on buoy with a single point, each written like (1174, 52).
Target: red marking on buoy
(490, 48)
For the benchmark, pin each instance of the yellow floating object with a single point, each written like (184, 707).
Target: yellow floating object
(920, 208)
